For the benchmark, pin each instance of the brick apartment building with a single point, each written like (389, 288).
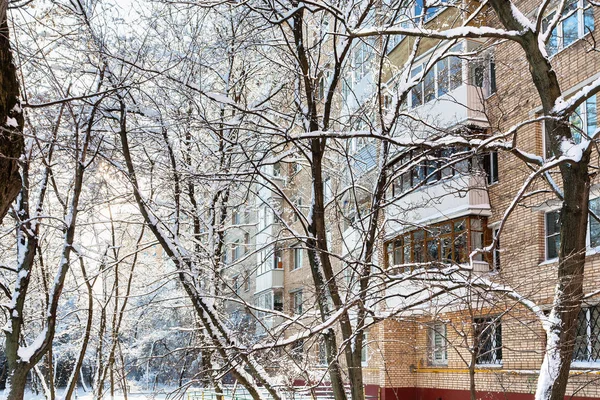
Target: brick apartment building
(426, 352)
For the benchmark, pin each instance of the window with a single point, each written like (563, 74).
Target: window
(488, 340)
(576, 21)
(235, 217)
(296, 302)
(298, 207)
(322, 354)
(235, 284)
(450, 241)
(237, 250)
(587, 341)
(277, 169)
(429, 14)
(297, 258)
(327, 190)
(552, 229)
(277, 259)
(438, 344)
(444, 77)
(364, 351)
(496, 253)
(552, 234)
(428, 167)
(583, 122)
(489, 163)
(483, 74)
(277, 301)
(246, 281)
(298, 350)
(247, 241)
(594, 216)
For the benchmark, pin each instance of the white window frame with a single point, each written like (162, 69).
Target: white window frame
(298, 258)
(297, 306)
(418, 69)
(438, 329)
(559, 29)
(546, 235)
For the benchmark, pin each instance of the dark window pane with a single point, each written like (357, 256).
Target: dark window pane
(594, 223)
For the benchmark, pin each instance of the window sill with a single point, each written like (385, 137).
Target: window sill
(585, 364)
(590, 251)
(569, 45)
(548, 262)
(489, 366)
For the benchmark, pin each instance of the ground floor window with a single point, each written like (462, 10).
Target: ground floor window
(488, 340)
(587, 342)
(438, 344)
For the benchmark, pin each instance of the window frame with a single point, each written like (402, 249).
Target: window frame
(434, 330)
(296, 301)
(298, 258)
(557, 33)
(496, 332)
(425, 236)
(590, 341)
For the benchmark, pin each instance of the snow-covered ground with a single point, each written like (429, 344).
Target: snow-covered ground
(81, 395)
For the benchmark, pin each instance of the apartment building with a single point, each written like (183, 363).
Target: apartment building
(427, 355)
(442, 346)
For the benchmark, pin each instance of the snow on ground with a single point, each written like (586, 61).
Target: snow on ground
(81, 395)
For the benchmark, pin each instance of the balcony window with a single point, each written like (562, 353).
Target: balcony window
(587, 341)
(277, 301)
(489, 164)
(577, 20)
(483, 75)
(428, 167)
(277, 259)
(448, 242)
(488, 340)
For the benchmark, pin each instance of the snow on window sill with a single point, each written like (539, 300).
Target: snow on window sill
(586, 364)
(590, 251)
(548, 262)
(489, 366)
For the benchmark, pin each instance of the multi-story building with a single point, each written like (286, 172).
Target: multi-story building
(455, 339)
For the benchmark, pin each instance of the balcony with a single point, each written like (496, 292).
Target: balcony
(270, 279)
(449, 198)
(462, 106)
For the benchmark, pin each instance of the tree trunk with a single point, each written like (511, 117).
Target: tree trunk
(11, 120)
(16, 383)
